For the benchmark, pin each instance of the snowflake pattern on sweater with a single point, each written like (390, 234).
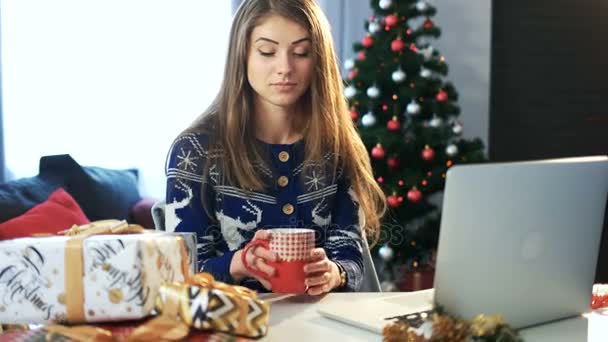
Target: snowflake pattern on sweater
(327, 205)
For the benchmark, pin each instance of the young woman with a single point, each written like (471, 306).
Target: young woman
(277, 148)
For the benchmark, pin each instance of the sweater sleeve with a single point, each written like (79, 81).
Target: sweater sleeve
(184, 211)
(344, 235)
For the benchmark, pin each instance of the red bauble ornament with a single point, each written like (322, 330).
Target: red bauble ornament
(428, 153)
(352, 74)
(397, 45)
(391, 20)
(428, 24)
(361, 56)
(393, 201)
(414, 195)
(393, 125)
(378, 152)
(367, 41)
(442, 96)
(393, 163)
(354, 115)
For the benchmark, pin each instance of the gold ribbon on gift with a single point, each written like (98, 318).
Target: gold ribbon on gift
(74, 263)
(175, 319)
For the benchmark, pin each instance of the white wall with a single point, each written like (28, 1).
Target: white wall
(465, 42)
(109, 82)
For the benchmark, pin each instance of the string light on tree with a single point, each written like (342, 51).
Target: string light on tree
(428, 24)
(373, 92)
(385, 4)
(369, 119)
(398, 75)
(378, 151)
(361, 55)
(413, 108)
(451, 150)
(354, 114)
(393, 201)
(428, 154)
(352, 74)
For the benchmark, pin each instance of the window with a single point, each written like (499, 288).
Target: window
(111, 83)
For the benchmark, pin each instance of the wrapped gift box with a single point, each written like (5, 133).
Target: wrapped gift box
(119, 278)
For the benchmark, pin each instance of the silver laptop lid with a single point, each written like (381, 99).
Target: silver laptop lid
(521, 239)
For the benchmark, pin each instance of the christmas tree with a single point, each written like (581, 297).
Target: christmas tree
(406, 112)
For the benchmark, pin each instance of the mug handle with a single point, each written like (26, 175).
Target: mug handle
(257, 242)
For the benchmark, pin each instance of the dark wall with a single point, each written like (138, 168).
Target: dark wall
(549, 86)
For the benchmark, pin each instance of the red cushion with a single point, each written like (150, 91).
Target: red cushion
(60, 211)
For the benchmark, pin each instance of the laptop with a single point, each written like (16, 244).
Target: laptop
(520, 239)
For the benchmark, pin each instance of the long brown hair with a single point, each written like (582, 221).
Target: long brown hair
(328, 123)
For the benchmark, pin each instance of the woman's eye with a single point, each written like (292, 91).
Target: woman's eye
(303, 54)
(266, 54)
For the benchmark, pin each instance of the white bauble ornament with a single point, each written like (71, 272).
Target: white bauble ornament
(386, 253)
(427, 52)
(435, 122)
(398, 75)
(373, 92)
(413, 108)
(451, 150)
(385, 4)
(425, 73)
(374, 27)
(422, 6)
(388, 286)
(457, 128)
(369, 119)
(350, 92)
(349, 64)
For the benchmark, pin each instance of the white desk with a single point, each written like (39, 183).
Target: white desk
(296, 319)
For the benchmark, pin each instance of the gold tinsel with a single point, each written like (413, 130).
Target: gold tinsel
(449, 329)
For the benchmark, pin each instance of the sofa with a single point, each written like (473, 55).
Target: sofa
(65, 191)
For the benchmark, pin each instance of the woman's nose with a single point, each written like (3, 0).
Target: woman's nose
(284, 64)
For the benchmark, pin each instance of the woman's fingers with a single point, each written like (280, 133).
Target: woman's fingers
(317, 254)
(318, 279)
(318, 266)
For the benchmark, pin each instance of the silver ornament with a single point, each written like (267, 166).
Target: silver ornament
(425, 73)
(422, 6)
(435, 122)
(349, 64)
(413, 108)
(427, 52)
(374, 27)
(386, 253)
(373, 92)
(398, 75)
(385, 4)
(451, 150)
(350, 92)
(457, 128)
(369, 119)
(388, 286)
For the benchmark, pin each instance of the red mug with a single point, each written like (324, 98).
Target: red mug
(293, 247)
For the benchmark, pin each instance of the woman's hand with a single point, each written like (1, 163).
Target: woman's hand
(322, 274)
(257, 258)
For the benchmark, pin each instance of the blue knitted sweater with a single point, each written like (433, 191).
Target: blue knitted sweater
(313, 200)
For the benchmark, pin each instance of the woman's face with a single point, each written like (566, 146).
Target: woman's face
(279, 62)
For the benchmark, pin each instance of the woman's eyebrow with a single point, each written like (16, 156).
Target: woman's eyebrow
(277, 43)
